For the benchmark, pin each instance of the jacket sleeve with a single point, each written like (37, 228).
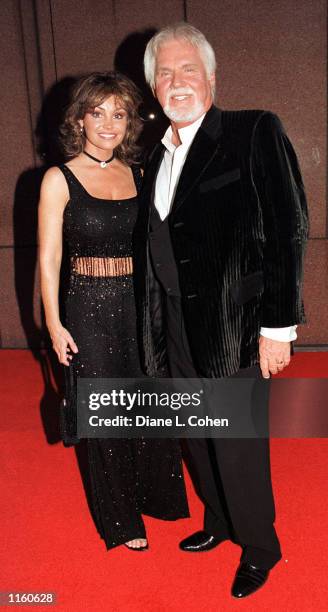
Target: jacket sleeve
(277, 179)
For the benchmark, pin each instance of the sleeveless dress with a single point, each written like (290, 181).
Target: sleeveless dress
(128, 477)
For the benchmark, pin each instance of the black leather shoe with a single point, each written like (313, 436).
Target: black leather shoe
(199, 542)
(248, 579)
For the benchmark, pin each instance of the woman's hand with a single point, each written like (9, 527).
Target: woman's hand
(63, 343)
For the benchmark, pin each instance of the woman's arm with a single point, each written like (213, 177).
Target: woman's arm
(53, 199)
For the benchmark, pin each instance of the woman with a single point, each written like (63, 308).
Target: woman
(92, 202)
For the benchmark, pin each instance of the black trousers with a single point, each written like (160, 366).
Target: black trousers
(232, 476)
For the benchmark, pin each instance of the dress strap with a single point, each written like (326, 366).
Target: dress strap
(136, 171)
(74, 185)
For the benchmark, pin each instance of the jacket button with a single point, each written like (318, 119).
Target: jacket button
(169, 289)
(158, 265)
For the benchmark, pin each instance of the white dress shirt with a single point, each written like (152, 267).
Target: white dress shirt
(171, 166)
(165, 188)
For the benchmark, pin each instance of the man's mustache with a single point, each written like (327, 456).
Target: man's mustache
(182, 91)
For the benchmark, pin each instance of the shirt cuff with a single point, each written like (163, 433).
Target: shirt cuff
(283, 334)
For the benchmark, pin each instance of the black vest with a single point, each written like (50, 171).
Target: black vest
(162, 256)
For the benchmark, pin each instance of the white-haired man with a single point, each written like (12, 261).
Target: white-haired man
(220, 233)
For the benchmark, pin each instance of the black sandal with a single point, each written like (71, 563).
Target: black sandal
(137, 548)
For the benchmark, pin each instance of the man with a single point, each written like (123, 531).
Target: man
(220, 235)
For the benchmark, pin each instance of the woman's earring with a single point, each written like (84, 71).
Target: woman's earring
(81, 130)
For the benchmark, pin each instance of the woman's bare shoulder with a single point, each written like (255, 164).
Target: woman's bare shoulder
(53, 176)
(54, 185)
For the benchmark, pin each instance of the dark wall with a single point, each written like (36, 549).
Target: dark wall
(270, 55)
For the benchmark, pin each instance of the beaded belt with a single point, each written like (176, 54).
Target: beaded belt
(102, 266)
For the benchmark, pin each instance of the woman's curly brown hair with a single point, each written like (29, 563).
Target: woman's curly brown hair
(89, 92)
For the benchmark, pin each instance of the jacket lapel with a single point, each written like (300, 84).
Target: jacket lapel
(149, 180)
(203, 148)
(151, 172)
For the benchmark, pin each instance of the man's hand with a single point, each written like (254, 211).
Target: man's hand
(274, 356)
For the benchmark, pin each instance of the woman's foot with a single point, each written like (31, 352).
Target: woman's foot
(137, 544)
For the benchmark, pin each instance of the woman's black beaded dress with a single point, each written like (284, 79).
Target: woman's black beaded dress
(128, 477)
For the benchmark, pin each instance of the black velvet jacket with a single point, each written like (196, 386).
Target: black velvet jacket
(238, 226)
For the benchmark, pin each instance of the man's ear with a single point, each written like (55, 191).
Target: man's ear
(212, 78)
(212, 82)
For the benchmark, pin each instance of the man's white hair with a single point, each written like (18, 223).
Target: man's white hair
(177, 31)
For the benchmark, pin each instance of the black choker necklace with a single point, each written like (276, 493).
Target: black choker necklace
(103, 164)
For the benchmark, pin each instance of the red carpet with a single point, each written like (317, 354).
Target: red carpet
(49, 542)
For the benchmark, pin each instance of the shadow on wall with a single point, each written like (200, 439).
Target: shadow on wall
(25, 252)
(129, 61)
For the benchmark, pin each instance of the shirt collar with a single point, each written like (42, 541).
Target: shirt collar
(186, 134)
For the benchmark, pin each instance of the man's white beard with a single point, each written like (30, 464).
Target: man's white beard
(179, 116)
(182, 115)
